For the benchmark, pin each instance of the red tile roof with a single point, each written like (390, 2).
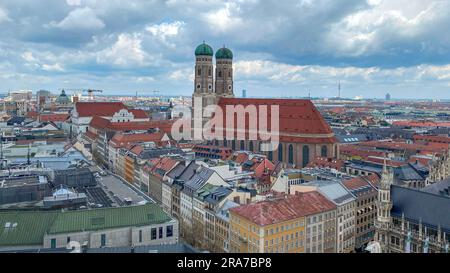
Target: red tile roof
(407, 123)
(32, 114)
(138, 113)
(298, 119)
(323, 162)
(355, 183)
(240, 157)
(435, 138)
(53, 117)
(165, 164)
(284, 209)
(102, 123)
(101, 109)
(122, 140)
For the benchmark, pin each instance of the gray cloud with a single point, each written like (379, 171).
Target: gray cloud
(289, 44)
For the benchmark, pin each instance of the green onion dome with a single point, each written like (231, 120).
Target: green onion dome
(224, 53)
(204, 50)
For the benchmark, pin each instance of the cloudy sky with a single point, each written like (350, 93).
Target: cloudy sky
(281, 48)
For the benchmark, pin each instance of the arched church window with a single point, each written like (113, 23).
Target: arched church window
(199, 72)
(209, 72)
(291, 154)
(324, 151)
(305, 155)
(280, 152)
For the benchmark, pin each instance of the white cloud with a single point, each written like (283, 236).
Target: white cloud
(185, 74)
(80, 19)
(165, 30)
(391, 26)
(73, 2)
(281, 73)
(127, 51)
(225, 18)
(4, 16)
(53, 67)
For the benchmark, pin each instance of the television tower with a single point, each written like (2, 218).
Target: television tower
(339, 90)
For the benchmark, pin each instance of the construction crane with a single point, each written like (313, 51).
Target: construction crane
(89, 91)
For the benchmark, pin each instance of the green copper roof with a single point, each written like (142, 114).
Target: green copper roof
(224, 53)
(98, 219)
(30, 229)
(63, 98)
(31, 226)
(204, 50)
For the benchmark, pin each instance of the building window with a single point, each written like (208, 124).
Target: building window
(225, 143)
(219, 74)
(169, 231)
(53, 243)
(103, 240)
(280, 152)
(140, 236)
(199, 72)
(242, 145)
(68, 239)
(324, 151)
(233, 144)
(251, 148)
(305, 155)
(270, 155)
(160, 232)
(291, 154)
(153, 235)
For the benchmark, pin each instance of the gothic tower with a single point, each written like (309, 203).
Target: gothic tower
(384, 206)
(203, 84)
(224, 73)
(204, 70)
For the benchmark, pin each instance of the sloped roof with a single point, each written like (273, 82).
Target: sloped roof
(334, 191)
(439, 188)
(296, 115)
(138, 113)
(122, 140)
(101, 109)
(407, 173)
(280, 210)
(418, 205)
(102, 123)
(33, 225)
(53, 117)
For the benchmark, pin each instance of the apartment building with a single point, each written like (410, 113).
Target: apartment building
(280, 225)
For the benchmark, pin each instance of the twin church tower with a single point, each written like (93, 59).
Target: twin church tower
(212, 85)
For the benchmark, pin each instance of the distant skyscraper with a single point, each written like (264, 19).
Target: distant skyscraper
(244, 93)
(388, 96)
